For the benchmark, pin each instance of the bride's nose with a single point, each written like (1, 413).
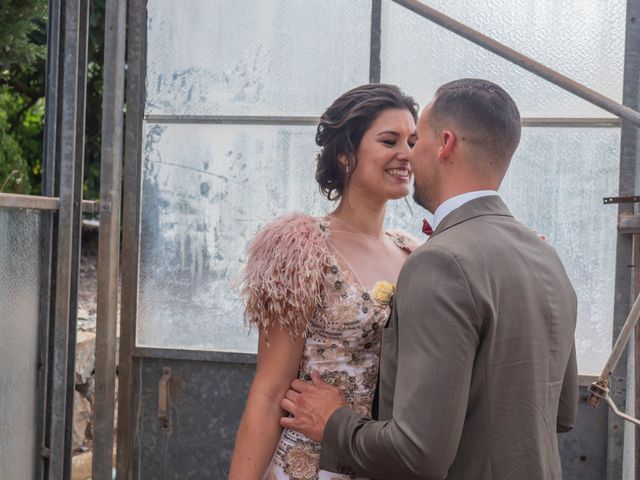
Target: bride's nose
(404, 151)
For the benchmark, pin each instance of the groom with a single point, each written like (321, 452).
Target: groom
(478, 366)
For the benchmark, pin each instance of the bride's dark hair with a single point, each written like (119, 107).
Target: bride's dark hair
(342, 126)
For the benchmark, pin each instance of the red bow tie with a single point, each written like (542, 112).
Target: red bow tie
(426, 227)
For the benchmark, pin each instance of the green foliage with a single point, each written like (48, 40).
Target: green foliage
(22, 91)
(22, 79)
(19, 20)
(20, 142)
(93, 120)
(14, 171)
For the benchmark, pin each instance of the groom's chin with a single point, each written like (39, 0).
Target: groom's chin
(419, 199)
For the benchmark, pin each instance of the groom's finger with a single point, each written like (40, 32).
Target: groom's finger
(292, 395)
(300, 386)
(287, 422)
(317, 379)
(289, 406)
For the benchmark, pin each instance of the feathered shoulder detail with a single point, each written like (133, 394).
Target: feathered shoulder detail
(285, 273)
(404, 240)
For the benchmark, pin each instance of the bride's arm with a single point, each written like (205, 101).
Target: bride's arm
(260, 429)
(283, 285)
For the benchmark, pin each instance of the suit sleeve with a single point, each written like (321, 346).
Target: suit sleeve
(568, 407)
(438, 336)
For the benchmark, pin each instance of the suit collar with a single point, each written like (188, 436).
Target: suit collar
(490, 205)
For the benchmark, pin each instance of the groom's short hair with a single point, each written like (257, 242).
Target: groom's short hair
(483, 110)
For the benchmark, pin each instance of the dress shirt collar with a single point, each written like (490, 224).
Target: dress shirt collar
(451, 204)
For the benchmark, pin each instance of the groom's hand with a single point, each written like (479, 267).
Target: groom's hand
(311, 406)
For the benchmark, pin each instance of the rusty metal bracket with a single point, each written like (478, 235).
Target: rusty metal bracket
(90, 206)
(163, 399)
(629, 223)
(626, 199)
(598, 391)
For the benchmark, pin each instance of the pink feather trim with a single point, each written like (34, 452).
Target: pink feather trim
(285, 273)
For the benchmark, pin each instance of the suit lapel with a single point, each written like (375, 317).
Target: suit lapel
(490, 205)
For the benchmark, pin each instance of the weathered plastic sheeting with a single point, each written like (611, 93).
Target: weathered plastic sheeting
(206, 190)
(20, 270)
(254, 57)
(419, 55)
(556, 184)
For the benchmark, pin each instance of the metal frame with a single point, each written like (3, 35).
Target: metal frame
(375, 65)
(109, 237)
(136, 71)
(35, 202)
(69, 176)
(53, 76)
(76, 220)
(585, 122)
(130, 355)
(624, 290)
(522, 61)
(196, 355)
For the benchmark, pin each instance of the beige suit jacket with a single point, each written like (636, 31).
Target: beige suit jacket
(478, 367)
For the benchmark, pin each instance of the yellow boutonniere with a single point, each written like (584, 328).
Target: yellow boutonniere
(383, 291)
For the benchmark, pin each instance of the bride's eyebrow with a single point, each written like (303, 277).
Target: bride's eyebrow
(413, 135)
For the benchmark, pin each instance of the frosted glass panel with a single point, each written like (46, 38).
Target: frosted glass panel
(581, 39)
(556, 185)
(20, 286)
(206, 190)
(254, 57)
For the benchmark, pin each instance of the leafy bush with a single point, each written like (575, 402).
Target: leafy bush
(22, 90)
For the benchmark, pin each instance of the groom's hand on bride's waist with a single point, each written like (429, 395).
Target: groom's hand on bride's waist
(311, 405)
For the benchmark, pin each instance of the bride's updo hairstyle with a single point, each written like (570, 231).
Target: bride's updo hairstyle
(342, 126)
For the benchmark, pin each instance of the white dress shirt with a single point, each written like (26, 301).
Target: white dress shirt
(451, 204)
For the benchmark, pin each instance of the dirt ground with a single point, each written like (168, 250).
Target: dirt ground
(81, 466)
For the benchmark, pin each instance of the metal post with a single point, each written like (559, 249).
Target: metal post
(522, 61)
(48, 261)
(109, 237)
(76, 239)
(636, 282)
(136, 58)
(70, 204)
(624, 251)
(375, 47)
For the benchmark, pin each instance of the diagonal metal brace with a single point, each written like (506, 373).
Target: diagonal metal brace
(599, 392)
(600, 388)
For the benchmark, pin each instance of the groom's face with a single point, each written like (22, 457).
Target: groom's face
(424, 159)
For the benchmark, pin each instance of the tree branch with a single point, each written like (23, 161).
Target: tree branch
(23, 89)
(21, 112)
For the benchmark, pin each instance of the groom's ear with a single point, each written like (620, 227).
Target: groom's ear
(448, 141)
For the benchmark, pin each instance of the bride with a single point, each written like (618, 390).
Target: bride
(319, 289)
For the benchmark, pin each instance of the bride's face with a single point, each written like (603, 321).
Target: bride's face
(383, 168)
